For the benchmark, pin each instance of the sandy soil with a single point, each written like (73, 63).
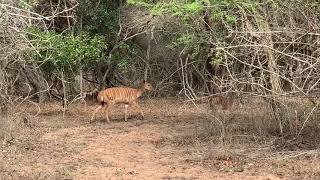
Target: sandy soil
(72, 148)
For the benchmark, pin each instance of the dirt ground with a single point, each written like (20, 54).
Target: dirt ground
(169, 143)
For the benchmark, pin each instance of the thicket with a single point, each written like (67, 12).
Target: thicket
(240, 48)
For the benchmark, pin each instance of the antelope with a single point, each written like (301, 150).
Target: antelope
(225, 102)
(121, 95)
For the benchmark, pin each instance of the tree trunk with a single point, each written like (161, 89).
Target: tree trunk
(64, 101)
(274, 76)
(272, 61)
(3, 103)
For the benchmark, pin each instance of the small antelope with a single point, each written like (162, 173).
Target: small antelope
(225, 102)
(121, 95)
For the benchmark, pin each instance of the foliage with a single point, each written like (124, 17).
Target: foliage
(97, 18)
(176, 7)
(26, 4)
(224, 15)
(184, 39)
(139, 2)
(65, 52)
(102, 19)
(92, 33)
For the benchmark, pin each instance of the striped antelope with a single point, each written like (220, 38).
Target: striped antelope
(121, 95)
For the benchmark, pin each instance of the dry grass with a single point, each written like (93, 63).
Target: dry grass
(241, 142)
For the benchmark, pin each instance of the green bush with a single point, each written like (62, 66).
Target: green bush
(54, 51)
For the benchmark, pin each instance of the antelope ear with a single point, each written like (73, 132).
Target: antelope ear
(143, 81)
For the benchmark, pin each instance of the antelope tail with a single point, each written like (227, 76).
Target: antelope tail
(101, 99)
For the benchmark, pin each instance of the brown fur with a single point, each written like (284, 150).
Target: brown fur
(120, 95)
(225, 102)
